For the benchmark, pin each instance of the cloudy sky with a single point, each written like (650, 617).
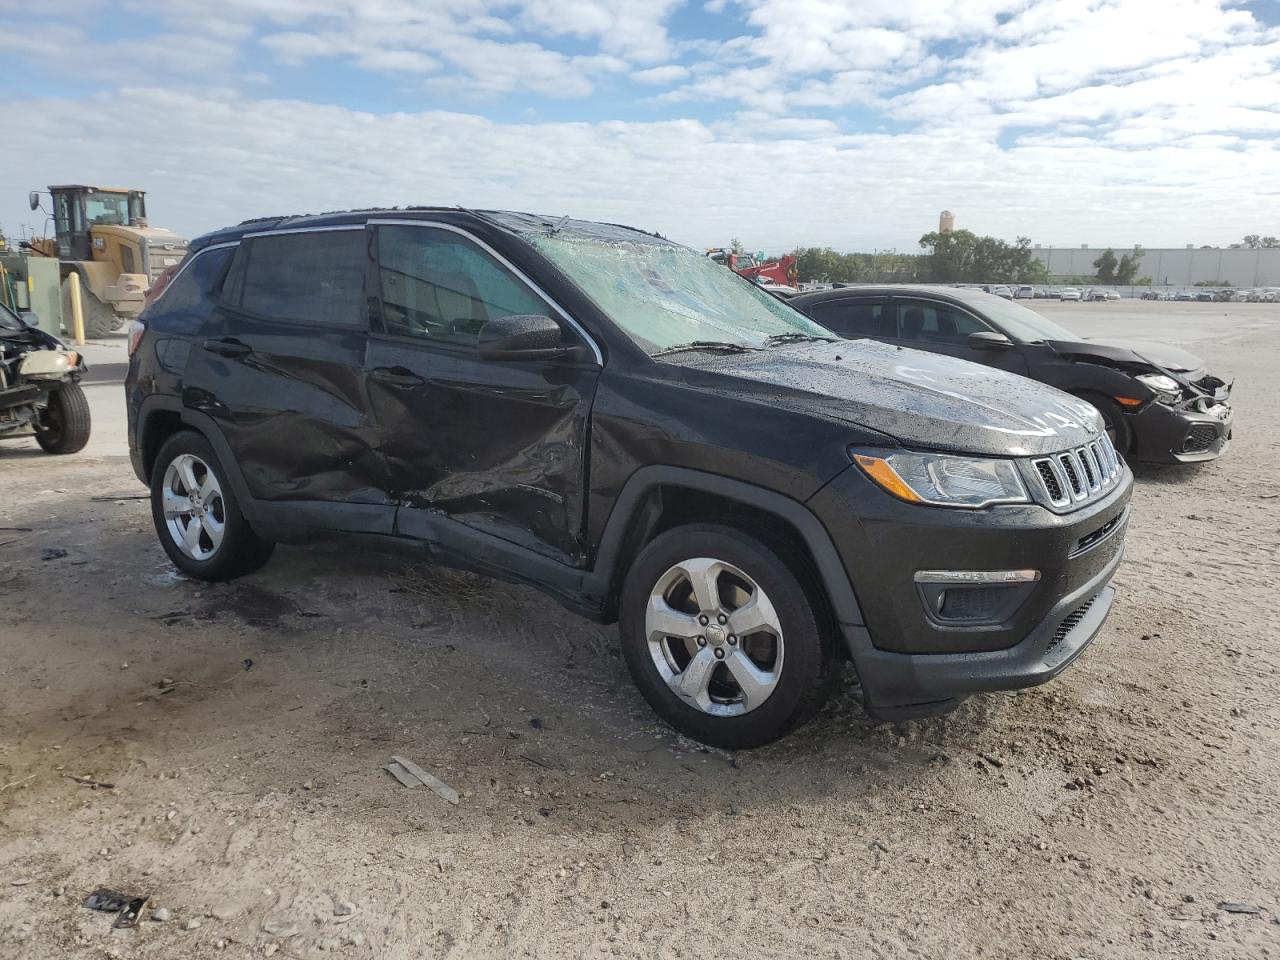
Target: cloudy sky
(848, 123)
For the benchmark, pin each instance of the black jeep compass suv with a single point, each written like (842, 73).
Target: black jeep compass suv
(642, 434)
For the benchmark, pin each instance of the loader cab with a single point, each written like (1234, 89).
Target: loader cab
(78, 209)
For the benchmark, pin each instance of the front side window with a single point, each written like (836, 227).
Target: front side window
(309, 277)
(440, 286)
(663, 295)
(935, 322)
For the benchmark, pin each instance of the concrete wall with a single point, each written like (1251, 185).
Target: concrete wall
(1174, 266)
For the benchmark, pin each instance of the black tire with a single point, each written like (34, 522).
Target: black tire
(240, 551)
(99, 319)
(1116, 423)
(64, 425)
(808, 668)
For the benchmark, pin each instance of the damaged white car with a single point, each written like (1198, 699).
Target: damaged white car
(40, 393)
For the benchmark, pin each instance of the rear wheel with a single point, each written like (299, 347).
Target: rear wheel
(196, 514)
(99, 319)
(722, 639)
(63, 426)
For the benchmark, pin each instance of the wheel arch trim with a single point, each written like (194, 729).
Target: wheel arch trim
(602, 580)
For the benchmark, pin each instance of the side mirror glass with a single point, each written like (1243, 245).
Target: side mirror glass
(29, 318)
(989, 340)
(523, 337)
(33, 198)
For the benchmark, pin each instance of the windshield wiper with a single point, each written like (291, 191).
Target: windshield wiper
(778, 338)
(718, 346)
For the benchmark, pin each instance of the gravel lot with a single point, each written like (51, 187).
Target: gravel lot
(1128, 809)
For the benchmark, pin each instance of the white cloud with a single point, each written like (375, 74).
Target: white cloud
(667, 73)
(210, 162)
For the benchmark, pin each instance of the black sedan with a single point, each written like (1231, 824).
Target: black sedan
(1159, 402)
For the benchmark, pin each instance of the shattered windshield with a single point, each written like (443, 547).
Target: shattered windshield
(664, 295)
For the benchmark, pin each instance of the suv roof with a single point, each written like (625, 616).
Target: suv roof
(510, 221)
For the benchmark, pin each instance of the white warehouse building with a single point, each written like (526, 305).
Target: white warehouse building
(1173, 266)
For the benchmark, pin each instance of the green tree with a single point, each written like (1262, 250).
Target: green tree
(1106, 266)
(1252, 241)
(960, 256)
(1127, 269)
(1271, 242)
(735, 245)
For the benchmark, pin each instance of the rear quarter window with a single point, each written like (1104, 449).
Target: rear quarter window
(187, 302)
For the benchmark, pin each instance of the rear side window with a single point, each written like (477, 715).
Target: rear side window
(189, 298)
(315, 277)
(441, 287)
(850, 318)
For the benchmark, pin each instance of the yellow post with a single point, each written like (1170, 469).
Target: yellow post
(77, 313)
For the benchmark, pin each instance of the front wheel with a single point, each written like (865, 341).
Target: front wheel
(63, 425)
(721, 638)
(196, 514)
(1115, 422)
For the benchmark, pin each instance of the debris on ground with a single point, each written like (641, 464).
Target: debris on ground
(53, 553)
(126, 907)
(1229, 907)
(90, 782)
(414, 771)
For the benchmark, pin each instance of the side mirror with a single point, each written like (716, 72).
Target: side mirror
(29, 318)
(523, 337)
(989, 340)
(33, 198)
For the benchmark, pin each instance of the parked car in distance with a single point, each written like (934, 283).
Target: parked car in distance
(1154, 295)
(1205, 296)
(1001, 290)
(40, 392)
(1024, 292)
(1183, 296)
(779, 290)
(1159, 402)
(1069, 293)
(640, 433)
(1103, 294)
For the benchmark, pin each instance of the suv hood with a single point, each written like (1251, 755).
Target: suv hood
(920, 399)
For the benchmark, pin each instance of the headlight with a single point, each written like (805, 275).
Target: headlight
(942, 479)
(1166, 388)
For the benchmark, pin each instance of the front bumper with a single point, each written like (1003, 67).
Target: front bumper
(909, 662)
(1169, 435)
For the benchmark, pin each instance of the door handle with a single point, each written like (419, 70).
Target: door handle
(396, 377)
(227, 348)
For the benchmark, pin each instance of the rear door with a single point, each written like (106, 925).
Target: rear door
(943, 327)
(494, 446)
(280, 368)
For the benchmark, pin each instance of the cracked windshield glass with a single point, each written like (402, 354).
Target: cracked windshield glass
(665, 296)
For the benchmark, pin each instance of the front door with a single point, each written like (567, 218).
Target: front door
(942, 327)
(497, 446)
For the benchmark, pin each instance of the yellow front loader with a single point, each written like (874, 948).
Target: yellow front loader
(102, 234)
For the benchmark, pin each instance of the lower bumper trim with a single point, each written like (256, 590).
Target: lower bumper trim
(900, 685)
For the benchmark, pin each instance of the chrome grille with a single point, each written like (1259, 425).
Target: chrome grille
(1078, 476)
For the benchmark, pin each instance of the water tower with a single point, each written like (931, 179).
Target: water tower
(946, 221)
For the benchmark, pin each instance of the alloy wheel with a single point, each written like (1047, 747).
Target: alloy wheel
(195, 512)
(714, 637)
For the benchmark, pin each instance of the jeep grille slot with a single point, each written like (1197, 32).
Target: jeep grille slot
(1077, 476)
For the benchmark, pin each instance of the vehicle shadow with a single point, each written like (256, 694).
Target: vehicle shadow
(1169, 474)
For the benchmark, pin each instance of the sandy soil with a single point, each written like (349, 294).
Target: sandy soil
(244, 729)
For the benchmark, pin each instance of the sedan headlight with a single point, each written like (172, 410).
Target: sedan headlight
(943, 480)
(1164, 387)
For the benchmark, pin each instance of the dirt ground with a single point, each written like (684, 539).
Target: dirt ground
(1128, 809)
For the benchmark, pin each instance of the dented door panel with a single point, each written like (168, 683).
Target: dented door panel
(498, 446)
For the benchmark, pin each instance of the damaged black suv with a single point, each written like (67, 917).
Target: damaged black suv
(640, 433)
